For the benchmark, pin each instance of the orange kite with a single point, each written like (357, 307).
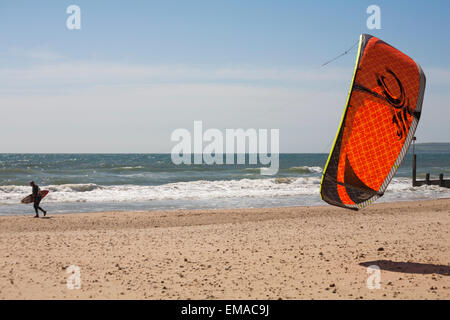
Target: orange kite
(377, 127)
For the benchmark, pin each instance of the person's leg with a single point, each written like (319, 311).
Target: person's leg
(36, 206)
(45, 212)
(37, 201)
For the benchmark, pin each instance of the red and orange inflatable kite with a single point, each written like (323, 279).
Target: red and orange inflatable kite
(377, 127)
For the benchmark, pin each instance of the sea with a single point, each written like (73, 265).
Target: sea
(134, 182)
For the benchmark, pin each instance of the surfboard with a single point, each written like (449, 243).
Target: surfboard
(30, 199)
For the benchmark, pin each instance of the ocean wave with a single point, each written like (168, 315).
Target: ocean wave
(284, 180)
(74, 187)
(399, 189)
(201, 189)
(120, 169)
(16, 170)
(13, 189)
(299, 169)
(306, 169)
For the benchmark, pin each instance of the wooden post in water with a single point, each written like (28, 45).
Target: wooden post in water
(441, 180)
(414, 163)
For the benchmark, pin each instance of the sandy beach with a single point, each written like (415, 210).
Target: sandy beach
(278, 253)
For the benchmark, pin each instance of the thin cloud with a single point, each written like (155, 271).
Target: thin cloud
(39, 54)
(437, 76)
(69, 76)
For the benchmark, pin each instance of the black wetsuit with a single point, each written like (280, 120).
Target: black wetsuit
(37, 200)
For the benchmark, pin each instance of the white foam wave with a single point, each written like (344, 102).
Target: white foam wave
(399, 189)
(128, 168)
(75, 187)
(173, 191)
(306, 169)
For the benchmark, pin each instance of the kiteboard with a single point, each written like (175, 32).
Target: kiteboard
(30, 198)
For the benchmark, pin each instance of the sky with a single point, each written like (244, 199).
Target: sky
(138, 70)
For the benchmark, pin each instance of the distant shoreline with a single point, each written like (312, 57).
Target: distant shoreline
(431, 147)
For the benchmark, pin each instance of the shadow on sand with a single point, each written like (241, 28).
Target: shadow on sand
(409, 267)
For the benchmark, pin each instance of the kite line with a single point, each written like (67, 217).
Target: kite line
(342, 54)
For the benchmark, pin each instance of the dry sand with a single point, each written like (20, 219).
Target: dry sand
(287, 253)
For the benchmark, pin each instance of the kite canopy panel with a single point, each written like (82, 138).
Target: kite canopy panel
(378, 124)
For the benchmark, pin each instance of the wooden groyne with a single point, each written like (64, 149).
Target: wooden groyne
(441, 182)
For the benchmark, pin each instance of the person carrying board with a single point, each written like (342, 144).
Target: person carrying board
(37, 199)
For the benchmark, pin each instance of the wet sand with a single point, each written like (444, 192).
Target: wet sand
(287, 253)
